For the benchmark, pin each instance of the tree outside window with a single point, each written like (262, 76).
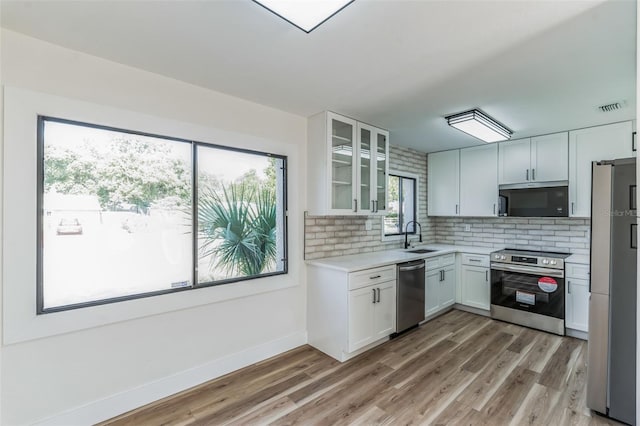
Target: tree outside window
(402, 204)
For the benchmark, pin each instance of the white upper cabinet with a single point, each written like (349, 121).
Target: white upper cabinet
(348, 164)
(550, 157)
(514, 161)
(533, 160)
(479, 181)
(463, 182)
(443, 183)
(593, 144)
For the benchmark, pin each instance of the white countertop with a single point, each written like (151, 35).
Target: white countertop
(578, 258)
(358, 262)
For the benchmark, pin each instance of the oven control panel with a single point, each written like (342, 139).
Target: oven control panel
(529, 258)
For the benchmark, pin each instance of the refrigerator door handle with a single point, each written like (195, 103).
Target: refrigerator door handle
(634, 235)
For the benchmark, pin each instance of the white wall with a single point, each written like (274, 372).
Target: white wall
(83, 376)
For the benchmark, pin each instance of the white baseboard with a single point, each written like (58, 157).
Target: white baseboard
(577, 333)
(473, 310)
(114, 405)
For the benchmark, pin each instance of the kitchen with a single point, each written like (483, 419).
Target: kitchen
(70, 346)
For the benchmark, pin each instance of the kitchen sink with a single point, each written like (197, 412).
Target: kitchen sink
(421, 251)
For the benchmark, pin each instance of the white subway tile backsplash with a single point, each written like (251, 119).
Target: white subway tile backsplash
(567, 234)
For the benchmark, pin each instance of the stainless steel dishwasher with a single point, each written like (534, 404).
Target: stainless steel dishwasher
(410, 295)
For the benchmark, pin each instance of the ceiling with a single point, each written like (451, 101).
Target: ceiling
(536, 66)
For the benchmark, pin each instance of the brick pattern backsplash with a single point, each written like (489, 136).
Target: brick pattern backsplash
(327, 236)
(547, 234)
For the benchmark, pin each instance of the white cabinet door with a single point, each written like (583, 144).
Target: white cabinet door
(384, 322)
(577, 304)
(343, 157)
(550, 158)
(361, 305)
(479, 181)
(443, 183)
(366, 178)
(448, 287)
(475, 287)
(432, 292)
(380, 172)
(593, 144)
(514, 161)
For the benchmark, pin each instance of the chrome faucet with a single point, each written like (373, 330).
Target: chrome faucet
(406, 233)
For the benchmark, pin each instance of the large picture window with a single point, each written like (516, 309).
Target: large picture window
(117, 217)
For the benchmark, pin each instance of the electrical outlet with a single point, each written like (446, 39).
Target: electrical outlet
(368, 225)
(467, 228)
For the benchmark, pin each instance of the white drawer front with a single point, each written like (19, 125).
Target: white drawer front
(475, 260)
(448, 259)
(432, 263)
(371, 276)
(576, 270)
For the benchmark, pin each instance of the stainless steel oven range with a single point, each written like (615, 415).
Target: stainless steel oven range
(527, 288)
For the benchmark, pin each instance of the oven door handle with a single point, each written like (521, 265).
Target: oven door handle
(533, 271)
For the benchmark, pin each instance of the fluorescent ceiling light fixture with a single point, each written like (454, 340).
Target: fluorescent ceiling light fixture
(304, 14)
(479, 125)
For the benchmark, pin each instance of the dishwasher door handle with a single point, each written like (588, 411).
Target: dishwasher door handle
(411, 268)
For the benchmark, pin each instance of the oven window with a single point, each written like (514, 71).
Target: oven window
(528, 292)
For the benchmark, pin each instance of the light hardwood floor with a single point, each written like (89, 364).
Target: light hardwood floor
(458, 369)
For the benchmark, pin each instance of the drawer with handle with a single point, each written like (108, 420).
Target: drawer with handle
(371, 276)
(475, 260)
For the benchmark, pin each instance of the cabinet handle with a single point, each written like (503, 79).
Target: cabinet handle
(569, 287)
(533, 174)
(373, 206)
(486, 276)
(378, 294)
(456, 209)
(494, 208)
(527, 174)
(355, 205)
(573, 210)
(374, 277)
(475, 260)
(374, 295)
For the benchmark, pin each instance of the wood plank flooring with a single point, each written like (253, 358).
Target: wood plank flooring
(458, 369)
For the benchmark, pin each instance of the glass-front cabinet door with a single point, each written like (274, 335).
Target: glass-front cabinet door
(366, 145)
(343, 156)
(381, 170)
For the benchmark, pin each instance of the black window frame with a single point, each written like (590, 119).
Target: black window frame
(41, 119)
(400, 204)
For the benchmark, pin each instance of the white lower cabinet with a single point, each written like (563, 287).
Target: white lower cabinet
(350, 312)
(440, 283)
(475, 285)
(371, 314)
(577, 297)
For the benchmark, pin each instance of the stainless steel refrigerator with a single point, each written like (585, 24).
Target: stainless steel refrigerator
(611, 370)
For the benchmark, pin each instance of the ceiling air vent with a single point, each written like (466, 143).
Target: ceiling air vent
(613, 106)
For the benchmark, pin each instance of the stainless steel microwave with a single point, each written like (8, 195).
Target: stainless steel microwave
(552, 201)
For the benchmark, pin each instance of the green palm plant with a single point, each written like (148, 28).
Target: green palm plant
(237, 228)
